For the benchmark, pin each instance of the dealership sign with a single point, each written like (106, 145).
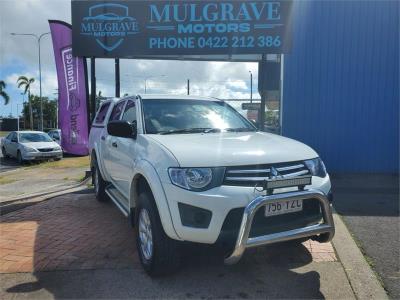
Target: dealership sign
(178, 28)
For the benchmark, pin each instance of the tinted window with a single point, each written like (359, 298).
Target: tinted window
(34, 137)
(12, 136)
(117, 111)
(164, 115)
(130, 112)
(101, 115)
(54, 134)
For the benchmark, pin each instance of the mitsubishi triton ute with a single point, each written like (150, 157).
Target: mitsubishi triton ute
(192, 169)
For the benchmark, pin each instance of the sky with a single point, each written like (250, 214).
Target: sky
(19, 56)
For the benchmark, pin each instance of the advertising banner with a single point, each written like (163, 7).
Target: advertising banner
(173, 29)
(72, 91)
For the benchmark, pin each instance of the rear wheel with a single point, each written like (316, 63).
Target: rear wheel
(159, 255)
(99, 184)
(3, 152)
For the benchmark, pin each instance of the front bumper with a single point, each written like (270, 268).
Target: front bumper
(324, 231)
(42, 155)
(226, 202)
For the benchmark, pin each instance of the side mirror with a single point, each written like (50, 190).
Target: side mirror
(14, 140)
(254, 122)
(122, 129)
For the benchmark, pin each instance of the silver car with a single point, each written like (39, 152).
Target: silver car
(30, 145)
(55, 134)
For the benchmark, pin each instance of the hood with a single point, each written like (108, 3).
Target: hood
(41, 145)
(233, 149)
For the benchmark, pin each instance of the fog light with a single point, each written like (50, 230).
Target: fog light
(195, 217)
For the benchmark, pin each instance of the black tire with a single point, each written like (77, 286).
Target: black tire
(57, 158)
(19, 158)
(99, 184)
(165, 258)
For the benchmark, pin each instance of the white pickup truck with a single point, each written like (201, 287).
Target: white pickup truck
(193, 169)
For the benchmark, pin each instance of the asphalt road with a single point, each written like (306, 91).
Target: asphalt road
(369, 205)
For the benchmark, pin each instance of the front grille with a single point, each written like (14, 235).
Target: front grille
(46, 150)
(255, 175)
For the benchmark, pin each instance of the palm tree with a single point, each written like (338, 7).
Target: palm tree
(3, 94)
(26, 83)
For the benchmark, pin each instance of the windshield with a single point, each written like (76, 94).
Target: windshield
(169, 116)
(34, 137)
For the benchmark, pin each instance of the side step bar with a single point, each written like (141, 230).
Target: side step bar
(115, 196)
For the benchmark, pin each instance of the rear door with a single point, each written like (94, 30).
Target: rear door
(6, 143)
(98, 135)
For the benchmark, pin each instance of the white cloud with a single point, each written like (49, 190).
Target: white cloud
(217, 79)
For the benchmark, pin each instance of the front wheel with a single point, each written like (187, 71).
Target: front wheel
(19, 158)
(159, 254)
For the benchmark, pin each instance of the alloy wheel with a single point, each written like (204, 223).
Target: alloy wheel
(96, 181)
(145, 234)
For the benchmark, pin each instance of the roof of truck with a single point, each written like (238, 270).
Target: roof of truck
(175, 97)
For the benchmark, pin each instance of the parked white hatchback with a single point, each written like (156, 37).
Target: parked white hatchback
(30, 145)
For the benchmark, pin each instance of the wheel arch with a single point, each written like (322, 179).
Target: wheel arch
(94, 158)
(147, 179)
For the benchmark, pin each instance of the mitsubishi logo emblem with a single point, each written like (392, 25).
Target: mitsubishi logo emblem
(274, 174)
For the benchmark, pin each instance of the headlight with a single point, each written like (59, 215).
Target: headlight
(58, 148)
(316, 167)
(29, 149)
(196, 179)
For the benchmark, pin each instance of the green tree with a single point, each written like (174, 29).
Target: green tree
(25, 83)
(3, 94)
(49, 111)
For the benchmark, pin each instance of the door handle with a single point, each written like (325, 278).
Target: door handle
(103, 138)
(115, 145)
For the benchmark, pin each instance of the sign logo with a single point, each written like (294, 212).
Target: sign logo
(71, 76)
(275, 174)
(109, 24)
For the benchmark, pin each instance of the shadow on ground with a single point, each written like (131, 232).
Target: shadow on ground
(90, 250)
(369, 205)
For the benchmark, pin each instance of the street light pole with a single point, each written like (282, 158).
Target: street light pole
(38, 39)
(251, 87)
(18, 115)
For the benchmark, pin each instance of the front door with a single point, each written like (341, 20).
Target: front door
(123, 162)
(111, 153)
(12, 146)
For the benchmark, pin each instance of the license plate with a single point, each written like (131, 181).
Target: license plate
(283, 207)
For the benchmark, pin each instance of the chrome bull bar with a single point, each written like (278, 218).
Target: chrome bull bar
(326, 230)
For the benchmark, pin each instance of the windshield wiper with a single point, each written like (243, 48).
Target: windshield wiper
(191, 130)
(240, 129)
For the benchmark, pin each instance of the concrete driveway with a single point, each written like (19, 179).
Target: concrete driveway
(72, 246)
